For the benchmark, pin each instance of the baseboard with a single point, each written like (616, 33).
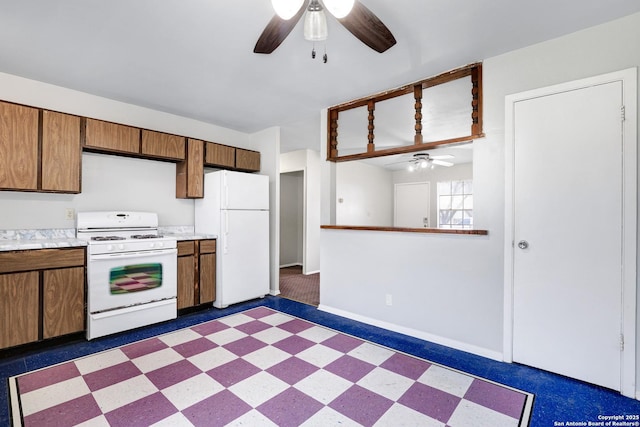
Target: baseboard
(312, 272)
(295, 264)
(458, 345)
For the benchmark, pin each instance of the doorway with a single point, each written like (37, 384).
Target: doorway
(570, 224)
(412, 205)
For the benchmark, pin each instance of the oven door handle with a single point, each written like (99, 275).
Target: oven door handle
(138, 254)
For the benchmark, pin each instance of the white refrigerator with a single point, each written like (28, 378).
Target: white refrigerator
(235, 207)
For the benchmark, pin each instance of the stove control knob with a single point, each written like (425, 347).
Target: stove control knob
(160, 244)
(152, 245)
(109, 247)
(121, 246)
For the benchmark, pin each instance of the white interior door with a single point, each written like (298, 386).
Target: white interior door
(568, 234)
(412, 204)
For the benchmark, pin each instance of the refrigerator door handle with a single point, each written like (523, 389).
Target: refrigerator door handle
(226, 232)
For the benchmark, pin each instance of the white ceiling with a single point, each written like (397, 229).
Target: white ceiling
(195, 58)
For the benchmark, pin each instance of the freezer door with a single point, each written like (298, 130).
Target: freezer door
(244, 191)
(243, 257)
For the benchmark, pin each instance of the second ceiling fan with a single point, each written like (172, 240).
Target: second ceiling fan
(359, 20)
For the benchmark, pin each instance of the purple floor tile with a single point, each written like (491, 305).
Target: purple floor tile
(292, 370)
(69, 413)
(111, 375)
(349, 368)
(253, 327)
(295, 326)
(430, 401)
(217, 410)
(290, 408)
(142, 348)
(294, 344)
(142, 412)
(173, 374)
(48, 376)
(501, 399)
(244, 346)
(193, 347)
(209, 328)
(407, 366)
(361, 405)
(233, 372)
(260, 312)
(343, 343)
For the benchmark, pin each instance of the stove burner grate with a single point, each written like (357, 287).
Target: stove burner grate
(145, 236)
(104, 238)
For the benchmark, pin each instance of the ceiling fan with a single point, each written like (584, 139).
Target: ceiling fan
(359, 20)
(420, 161)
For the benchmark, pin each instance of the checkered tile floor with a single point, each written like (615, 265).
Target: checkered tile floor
(261, 368)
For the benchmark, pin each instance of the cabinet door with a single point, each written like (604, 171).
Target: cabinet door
(63, 301)
(18, 308)
(186, 281)
(163, 145)
(247, 160)
(61, 152)
(190, 173)
(112, 137)
(18, 147)
(207, 278)
(220, 155)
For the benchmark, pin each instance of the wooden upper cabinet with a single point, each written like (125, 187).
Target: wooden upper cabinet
(61, 152)
(163, 145)
(220, 155)
(106, 136)
(247, 160)
(190, 172)
(18, 147)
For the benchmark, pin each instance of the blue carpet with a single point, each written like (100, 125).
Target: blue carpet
(558, 399)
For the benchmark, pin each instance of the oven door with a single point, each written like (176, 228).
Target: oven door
(131, 278)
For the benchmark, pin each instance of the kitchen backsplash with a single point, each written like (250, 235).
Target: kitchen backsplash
(70, 233)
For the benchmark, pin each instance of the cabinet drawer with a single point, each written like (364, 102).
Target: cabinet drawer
(186, 248)
(112, 137)
(207, 246)
(219, 155)
(247, 160)
(41, 259)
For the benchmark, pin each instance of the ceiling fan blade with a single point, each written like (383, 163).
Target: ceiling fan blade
(276, 31)
(366, 26)
(441, 163)
(442, 157)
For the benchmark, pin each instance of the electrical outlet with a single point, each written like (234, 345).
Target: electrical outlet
(69, 213)
(388, 300)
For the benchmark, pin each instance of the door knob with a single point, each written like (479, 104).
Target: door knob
(523, 244)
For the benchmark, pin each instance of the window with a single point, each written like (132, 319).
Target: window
(455, 204)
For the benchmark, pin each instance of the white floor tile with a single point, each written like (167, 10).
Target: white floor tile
(175, 420)
(157, 359)
(236, 320)
(323, 386)
(191, 391)
(319, 355)
(447, 380)
(386, 383)
(328, 417)
(100, 361)
(276, 319)
(266, 357)
(53, 395)
(252, 418)
(401, 416)
(212, 358)
(371, 353)
(317, 334)
(271, 335)
(124, 392)
(226, 336)
(258, 388)
(179, 337)
(99, 421)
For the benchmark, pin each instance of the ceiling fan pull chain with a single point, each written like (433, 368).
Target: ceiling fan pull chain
(313, 51)
(325, 57)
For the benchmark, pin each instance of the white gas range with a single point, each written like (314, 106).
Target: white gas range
(131, 271)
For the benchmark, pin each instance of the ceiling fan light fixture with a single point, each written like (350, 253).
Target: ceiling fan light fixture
(339, 8)
(286, 9)
(315, 23)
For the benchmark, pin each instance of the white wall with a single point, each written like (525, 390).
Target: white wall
(364, 195)
(307, 162)
(291, 218)
(451, 287)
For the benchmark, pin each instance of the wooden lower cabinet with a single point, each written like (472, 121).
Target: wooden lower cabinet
(196, 272)
(42, 294)
(18, 308)
(63, 301)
